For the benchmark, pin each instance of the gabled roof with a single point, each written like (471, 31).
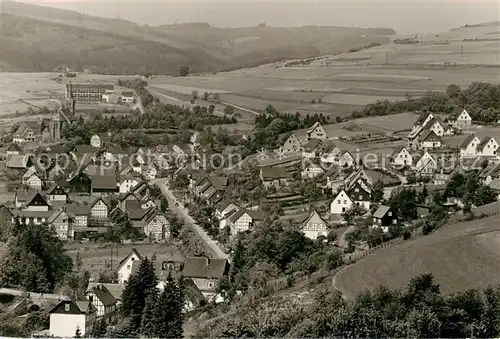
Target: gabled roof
(467, 141)
(96, 200)
(271, 173)
(86, 149)
(55, 215)
(14, 148)
(105, 182)
(483, 143)
(429, 135)
(134, 251)
(53, 188)
(104, 295)
(34, 195)
(396, 151)
(312, 214)
(235, 216)
(199, 267)
(423, 116)
(73, 209)
(140, 214)
(18, 161)
(456, 115)
(381, 211)
(313, 127)
(312, 145)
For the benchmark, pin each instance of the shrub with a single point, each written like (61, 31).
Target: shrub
(406, 235)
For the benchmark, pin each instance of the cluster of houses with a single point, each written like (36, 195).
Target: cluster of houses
(101, 301)
(80, 199)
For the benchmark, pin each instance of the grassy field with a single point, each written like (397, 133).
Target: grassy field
(460, 256)
(392, 72)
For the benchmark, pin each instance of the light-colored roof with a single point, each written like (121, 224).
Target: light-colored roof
(18, 161)
(381, 211)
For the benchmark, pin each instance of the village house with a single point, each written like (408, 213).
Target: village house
(206, 274)
(345, 160)
(384, 218)
(487, 147)
(27, 217)
(99, 209)
(426, 123)
(311, 171)
(127, 182)
(429, 140)
(19, 162)
(69, 315)
(244, 220)
(341, 203)
(28, 132)
(156, 226)
(57, 195)
(468, 147)
(489, 173)
(314, 148)
(401, 157)
(78, 216)
(330, 154)
(104, 303)
(13, 149)
(128, 266)
(360, 192)
(461, 120)
(314, 226)
(60, 223)
(291, 144)
(426, 165)
(127, 97)
(104, 184)
(274, 176)
(316, 131)
(36, 201)
(80, 183)
(32, 179)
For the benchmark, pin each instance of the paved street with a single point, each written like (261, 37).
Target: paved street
(210, 244)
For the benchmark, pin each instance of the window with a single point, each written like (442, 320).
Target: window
(210, 284)
(356, 190)
(128, 267)
(338, 202)
(343, 209)
(360, 197)
(345, 202)
(390, 214)
(91, 298)
(66, 307)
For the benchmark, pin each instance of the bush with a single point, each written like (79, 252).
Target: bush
(428, 228)
(406, 235)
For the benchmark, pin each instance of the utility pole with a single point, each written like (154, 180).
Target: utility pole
(462, 51)
(387, 58)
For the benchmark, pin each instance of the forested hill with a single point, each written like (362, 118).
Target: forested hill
(37, 38)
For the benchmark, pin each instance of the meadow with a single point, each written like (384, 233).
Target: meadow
(460, 256)
(337, 84)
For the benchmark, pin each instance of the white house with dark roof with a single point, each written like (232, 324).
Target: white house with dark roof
(487, 147)
(79, 216)
(70, 314)
(32, 179)
(36, 202)
(13, 149)
(311, 170)
(468, 147)
(345, 159)
(60, 223)
(99, 209)
(206, 274)
(330, 154)
(291, 144)
(384, 218)
(429, 140)
(128, 266)
(341, 203)
(104, 302)
(426, 165)
(314, 226)
(316, 131)
(402, 157)
(461, 120)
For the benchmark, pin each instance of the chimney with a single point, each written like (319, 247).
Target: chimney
(207, 263)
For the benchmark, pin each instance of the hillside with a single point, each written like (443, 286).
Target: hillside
(460, 256)
(56, 36)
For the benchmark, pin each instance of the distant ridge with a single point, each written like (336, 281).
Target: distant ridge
(38, 38)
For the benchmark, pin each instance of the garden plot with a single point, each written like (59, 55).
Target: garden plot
(341, 98)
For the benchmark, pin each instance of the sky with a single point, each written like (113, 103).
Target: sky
(405, 16)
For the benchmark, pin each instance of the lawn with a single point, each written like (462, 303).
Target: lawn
(460, 256)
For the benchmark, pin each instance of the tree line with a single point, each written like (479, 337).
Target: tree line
(482, 101)
(420, 310)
